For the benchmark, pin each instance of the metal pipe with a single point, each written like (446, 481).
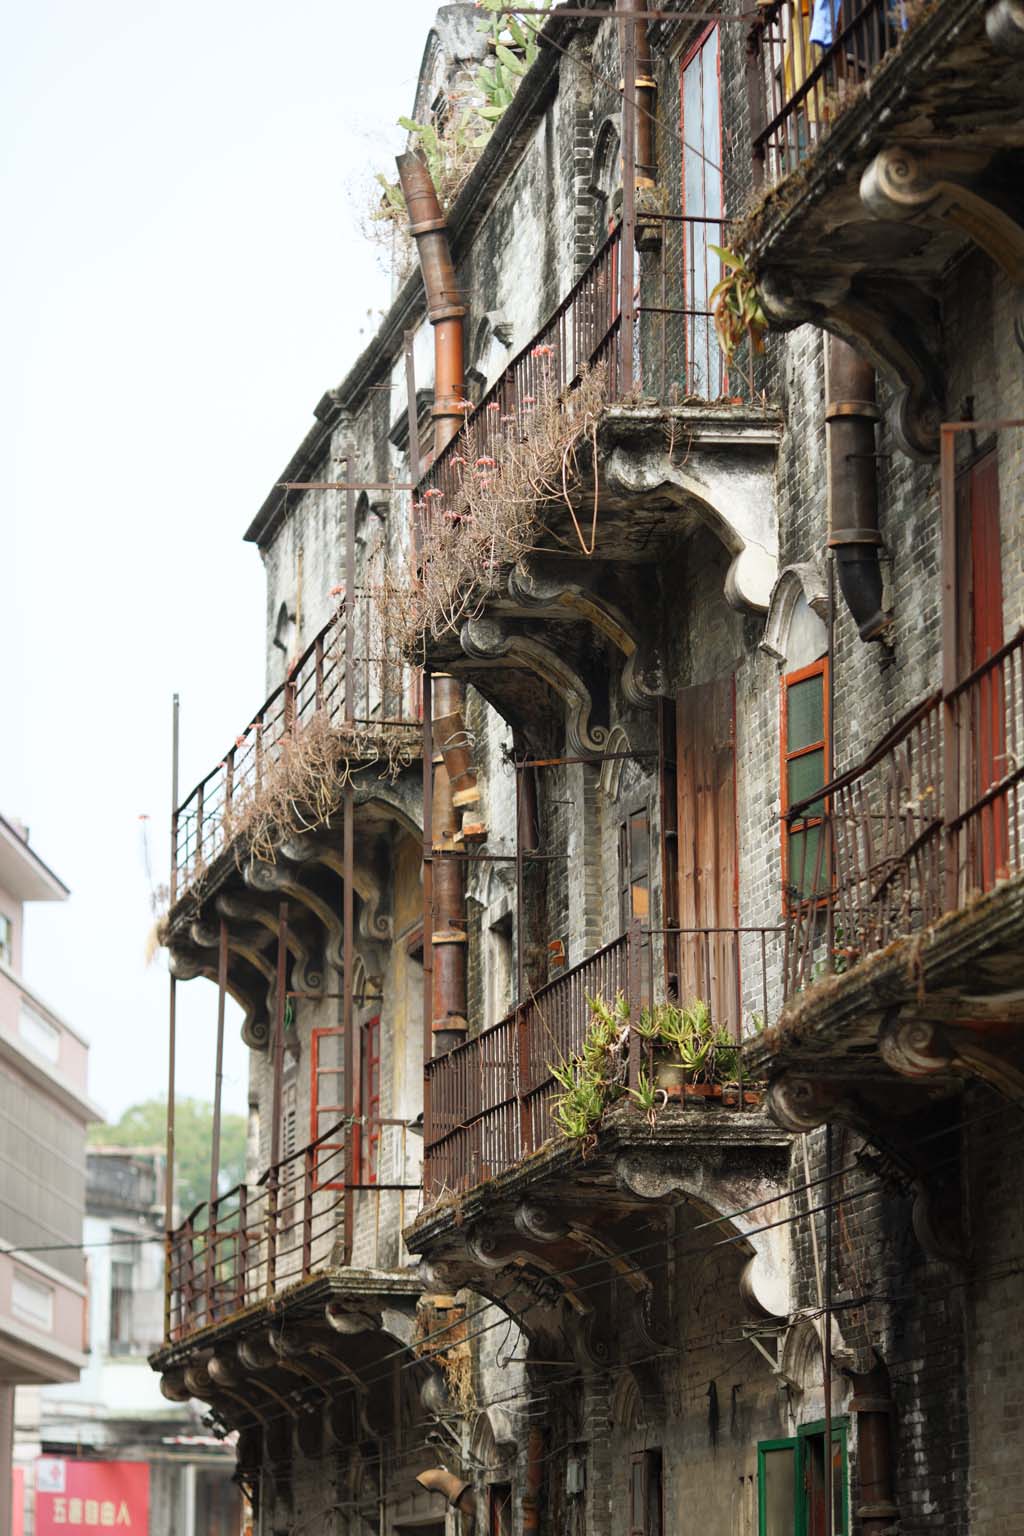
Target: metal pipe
(445, 310)
(644, 94)
(872, 1403)
(218, 1082)
(172, 1037)
(460, 1495)
(533, 1481)
(448, 928)
(851, 412)
(347, 1014)
(278, 1044)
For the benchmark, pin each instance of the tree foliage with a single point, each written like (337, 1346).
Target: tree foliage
(145, 1125)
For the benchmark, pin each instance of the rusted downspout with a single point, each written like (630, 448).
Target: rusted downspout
(872, 1404)
(851, 412)
(646, 91)
(449, 937)
(533, 1481)
(445, 309)
(454, 783)
(460, 1495)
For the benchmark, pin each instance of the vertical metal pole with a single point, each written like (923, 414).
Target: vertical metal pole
(830, 758)
(827, 1339)
(218, 1083)
(428, 907)
(349, 691)
(175, 712)
(411, 408)
(347, 1022)
(172, 1040)
(627, 250)
(279, 1020)
(950, 633)
(520, 968)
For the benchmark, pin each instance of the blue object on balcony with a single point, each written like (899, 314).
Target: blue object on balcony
(823, 22)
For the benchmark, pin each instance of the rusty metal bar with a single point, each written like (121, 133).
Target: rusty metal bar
(345, 485)
(412, 412)
(222, 983)
(627, 247)
(347, 1016)
(428, 893)
(279, 1018)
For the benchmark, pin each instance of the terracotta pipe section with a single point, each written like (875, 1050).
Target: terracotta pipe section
(646, 96)
(460, 1495)
(429, 229)
(449, 938)
(872, 1404)
(533, 1481)
(851, 412)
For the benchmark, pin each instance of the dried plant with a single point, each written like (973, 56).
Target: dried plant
(303, 786)
(506, 473)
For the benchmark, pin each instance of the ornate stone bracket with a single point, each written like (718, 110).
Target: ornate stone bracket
(919, 1048)
(488, 640)
(185, 965)
(531, 588)
(803, 1104)
(764, 1284)
(945, 186)
(891, 321)
(282, 881)
(306, 974)
(734, 494)
(374, 924)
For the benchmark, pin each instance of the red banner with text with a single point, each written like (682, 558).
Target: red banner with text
(91, 1495)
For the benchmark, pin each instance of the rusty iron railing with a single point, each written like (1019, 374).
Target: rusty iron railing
(256, 1240)
(347, 680)
(491, 1097)
(928, 818)
(804, 61)
(676, 356)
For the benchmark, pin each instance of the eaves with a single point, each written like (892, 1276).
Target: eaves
(498, 160)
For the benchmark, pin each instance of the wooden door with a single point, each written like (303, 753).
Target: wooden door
(708, 869)
(980, 613)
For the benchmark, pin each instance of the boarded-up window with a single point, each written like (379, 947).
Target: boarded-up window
(708, 954)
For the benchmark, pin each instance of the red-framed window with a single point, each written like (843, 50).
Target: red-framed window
(328, 1106)
(369, 1101)
(804, 768)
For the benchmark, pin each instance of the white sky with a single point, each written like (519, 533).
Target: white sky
(182, 276)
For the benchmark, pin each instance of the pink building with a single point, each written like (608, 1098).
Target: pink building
(43, 1116)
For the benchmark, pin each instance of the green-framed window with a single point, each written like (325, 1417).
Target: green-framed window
(793, 1480)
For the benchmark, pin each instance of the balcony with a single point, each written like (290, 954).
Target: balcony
(343, 683)
(904, 943)
(885, 140)
(644, 359)
(306, 1218)
(509, 1196)
(311, 802)
(490, 1099)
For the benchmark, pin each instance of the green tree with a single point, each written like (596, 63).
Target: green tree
(145, 1125)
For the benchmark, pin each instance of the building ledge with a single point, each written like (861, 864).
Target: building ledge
(924, 159)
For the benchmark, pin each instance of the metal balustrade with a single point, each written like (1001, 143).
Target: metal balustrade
(491, 1097)
(305, 1216)
(927, 819)
(806, 60)
(344, 678)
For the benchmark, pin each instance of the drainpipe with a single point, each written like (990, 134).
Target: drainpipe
(872, 1404)
(533, 1481)
(645, 92)
(460, 1495)
(449, 938)
(850, 413)
(454, 783)
(445, 309)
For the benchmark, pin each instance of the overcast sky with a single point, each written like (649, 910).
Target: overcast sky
(183, 275)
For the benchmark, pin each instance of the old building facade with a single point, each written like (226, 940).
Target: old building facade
(622, 878)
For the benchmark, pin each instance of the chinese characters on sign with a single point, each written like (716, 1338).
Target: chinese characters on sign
(91, 1495)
